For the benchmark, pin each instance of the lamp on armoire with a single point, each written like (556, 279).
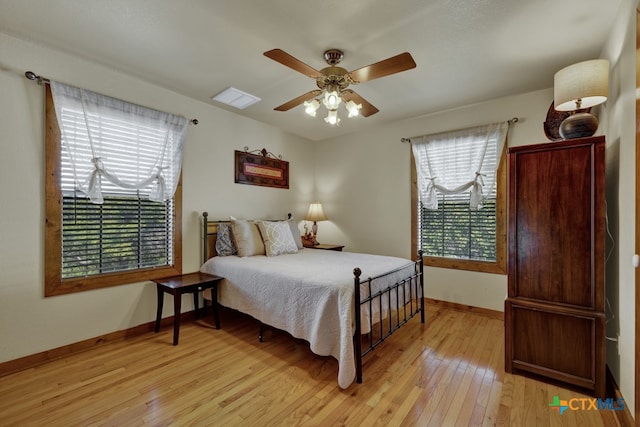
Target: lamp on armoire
(579, 87)
(315, 214)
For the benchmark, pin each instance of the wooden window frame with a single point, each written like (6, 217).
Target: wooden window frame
(500, 264)
(54, 284)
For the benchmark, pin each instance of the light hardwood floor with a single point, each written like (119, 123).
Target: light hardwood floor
(447, 372)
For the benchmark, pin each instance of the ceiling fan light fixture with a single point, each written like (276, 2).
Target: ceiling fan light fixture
(310, 107)
(333, 82)
(353, 108)
(332, 118)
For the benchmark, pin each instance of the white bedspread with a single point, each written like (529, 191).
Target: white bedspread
(308, 294)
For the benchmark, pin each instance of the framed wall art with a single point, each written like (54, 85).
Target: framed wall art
(261, 168)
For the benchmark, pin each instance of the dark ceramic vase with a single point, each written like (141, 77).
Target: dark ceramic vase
(578, 125)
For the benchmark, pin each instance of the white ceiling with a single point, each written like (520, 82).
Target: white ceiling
(466, 51)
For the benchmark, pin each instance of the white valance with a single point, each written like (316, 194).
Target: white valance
(454, 162)
(115, 146)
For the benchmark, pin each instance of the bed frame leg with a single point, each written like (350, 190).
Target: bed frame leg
(357, 339)
(420, 259)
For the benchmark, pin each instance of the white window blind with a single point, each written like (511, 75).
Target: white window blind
(120, 166)
(124, 233)
(458, 162)
(118, 147)
(456, 174)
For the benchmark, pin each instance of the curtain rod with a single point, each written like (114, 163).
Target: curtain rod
(33, 76)
(403, 140)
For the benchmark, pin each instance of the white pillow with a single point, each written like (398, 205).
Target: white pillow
(247, 238)
(277, 238)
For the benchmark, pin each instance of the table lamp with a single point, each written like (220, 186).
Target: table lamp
(316, 213)
(577, 87)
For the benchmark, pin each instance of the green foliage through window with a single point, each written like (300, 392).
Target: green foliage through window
(456, 231)
(125, 233)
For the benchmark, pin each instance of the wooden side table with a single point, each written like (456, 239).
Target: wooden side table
(182, 284)
(327, 247)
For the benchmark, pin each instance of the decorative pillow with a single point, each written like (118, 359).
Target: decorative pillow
(277, 238)
(295, 232)
(224, 242)
(247, 238)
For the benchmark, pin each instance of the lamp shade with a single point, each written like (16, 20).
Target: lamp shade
(353, 108)
(316, 213)
(310, 107)
(581, 85)
(332, 117)
(332, 98)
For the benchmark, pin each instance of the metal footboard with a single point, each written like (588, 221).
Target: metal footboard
(403, 300)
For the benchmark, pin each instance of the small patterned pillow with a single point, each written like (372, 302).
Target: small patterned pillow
(277, 238)
(224, 242)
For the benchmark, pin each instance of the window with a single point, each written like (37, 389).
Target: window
(126, 232)
(458, 194)
(456, 231)
(118, 235)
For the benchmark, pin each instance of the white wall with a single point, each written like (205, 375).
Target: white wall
(30, 323)
(363, 182)
(620, 119)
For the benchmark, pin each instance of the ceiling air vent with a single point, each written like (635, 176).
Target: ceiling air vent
(235, 98)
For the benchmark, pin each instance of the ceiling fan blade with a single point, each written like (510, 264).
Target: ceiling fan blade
(285, 59)
(299, 100)
(389, 66)
(367, 108)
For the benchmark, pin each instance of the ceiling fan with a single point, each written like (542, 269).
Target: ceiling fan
(334, 81)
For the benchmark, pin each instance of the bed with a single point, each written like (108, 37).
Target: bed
(343, 304)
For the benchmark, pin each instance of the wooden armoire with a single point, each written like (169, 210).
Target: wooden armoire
(554, 312)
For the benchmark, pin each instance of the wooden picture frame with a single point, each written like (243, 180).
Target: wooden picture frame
(260, 169)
